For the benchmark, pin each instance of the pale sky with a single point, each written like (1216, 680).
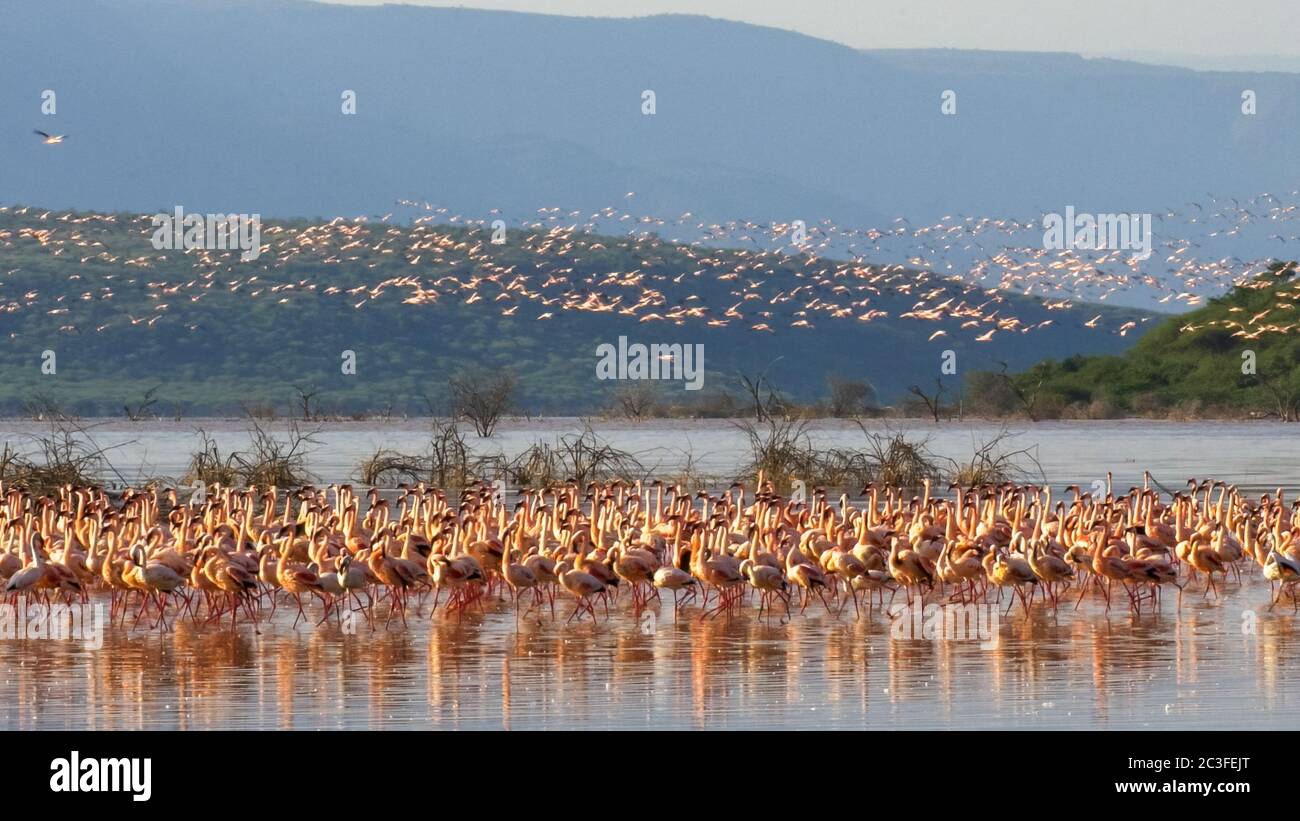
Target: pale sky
(1182, 28)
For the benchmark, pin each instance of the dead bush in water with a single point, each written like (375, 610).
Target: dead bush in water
(68, 455)
(899, 461)
(388, 467)
(268, 460)
(779, 449)
(783, 451)
(448, 462)
(271, 461)
(210, 467)
(994, 462)
(583, 457)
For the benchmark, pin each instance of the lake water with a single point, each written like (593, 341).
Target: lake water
(1254, 455)
(1209, 663)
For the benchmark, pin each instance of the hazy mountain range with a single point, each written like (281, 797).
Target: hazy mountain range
(231, 105)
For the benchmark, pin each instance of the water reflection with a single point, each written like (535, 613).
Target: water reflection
(1195, 666)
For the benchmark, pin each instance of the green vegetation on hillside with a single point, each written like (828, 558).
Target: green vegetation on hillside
(1239, 355)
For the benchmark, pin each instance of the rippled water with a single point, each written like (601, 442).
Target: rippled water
(1209, 663)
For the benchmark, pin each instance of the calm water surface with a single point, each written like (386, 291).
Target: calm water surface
(1180, 668)
(1250, 454)
(1224, 664)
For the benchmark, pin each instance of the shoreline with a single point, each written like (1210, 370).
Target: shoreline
(615, 422)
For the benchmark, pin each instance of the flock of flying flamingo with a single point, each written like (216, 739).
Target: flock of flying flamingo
(240, 553)
(956, 273)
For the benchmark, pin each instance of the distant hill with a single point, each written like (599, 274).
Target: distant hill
(1237, 356)
(418, 304)
(234, 106)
